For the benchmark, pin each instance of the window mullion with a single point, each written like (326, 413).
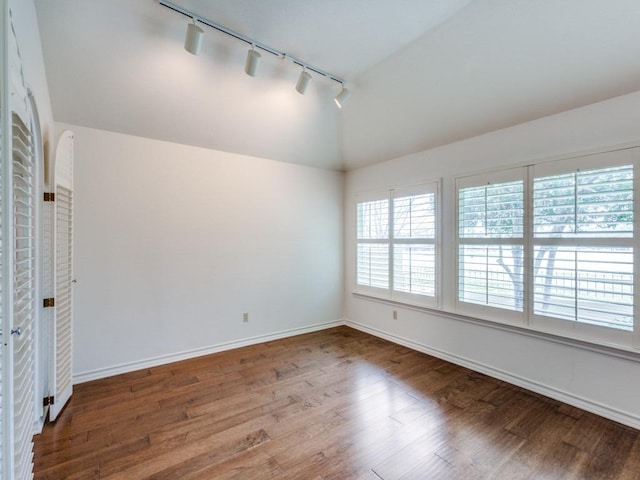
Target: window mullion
(528, 246)
(486, 276)
(491, 241)
(575, 204)
(636, 248)
(485, 213)
(575, 285)
(414, 241)
(391, 230)
(373, 241)
(586, 241)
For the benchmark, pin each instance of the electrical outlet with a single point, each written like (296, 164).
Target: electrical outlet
(245, 317)
(395, 314)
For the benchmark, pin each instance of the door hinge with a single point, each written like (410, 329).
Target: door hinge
(49, 197)
(46, 401)
(49, 302)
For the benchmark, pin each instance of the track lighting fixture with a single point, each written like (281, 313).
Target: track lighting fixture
(303, 82)
(193, 40)
(342, 97)
(251, 65)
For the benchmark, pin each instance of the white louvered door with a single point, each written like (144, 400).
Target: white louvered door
(3, 318)
(2, 312)
(23, 296)
(41, 345)
(19, 266)
(62, 385)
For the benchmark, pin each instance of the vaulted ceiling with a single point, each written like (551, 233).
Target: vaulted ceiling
(422, 72)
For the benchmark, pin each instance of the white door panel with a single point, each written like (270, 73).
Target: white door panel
(62, 385)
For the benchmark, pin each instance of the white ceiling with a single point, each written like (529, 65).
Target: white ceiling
(423, 72)
(120, 65)
(495, 64)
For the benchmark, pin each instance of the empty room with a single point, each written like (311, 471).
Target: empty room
(317, 240)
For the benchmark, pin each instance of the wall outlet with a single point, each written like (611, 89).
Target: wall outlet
(245, 317)
(395, 314)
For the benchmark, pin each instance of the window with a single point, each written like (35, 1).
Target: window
(583, 246)
(491, 241)
(396, 244)
(551, 246)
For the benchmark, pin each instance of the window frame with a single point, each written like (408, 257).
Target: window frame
(503, 315)
(609, 336)
(390, 293)
(572, 328)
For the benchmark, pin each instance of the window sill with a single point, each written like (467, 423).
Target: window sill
(614, 350)
(401, 302)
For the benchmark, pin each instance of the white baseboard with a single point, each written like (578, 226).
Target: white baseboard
(176, 357)
(552, 392)
(585, 404)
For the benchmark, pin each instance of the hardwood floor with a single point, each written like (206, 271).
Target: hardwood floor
(336, 404)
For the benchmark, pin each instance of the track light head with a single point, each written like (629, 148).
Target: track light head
(303, 82)
(342, 97)
(193, 40)
(251, 65)
(193, 44)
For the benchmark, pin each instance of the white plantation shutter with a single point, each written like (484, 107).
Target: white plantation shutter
(552, 246)
(396, 244)
(414, 242)
(583, 246)
(491, 244)
(373, 243)
(61, 381)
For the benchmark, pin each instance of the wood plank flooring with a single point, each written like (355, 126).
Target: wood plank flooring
(335, 404)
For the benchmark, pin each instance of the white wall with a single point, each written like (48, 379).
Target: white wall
(592, 379)
(173, 243)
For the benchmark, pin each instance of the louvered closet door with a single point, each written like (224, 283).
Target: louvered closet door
(2, 286)
(62, 384)
(19, 264)
(23, 297)
(3, 319)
